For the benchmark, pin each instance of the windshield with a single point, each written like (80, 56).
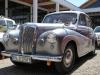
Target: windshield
(10, 24)
(2, 22)
(6, 24)
(97, 29)
(66, 18)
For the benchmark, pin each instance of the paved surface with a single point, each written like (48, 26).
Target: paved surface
(87, 65)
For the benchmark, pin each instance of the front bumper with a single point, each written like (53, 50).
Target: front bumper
(7, 54)
(34, 57)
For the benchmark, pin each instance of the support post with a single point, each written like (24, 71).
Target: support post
(35, 11)
(31, 14)
(6, 8)
(57, 7)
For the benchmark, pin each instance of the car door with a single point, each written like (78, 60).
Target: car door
(91, 34)
(83, 29)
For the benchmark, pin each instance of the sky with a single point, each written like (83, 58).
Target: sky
(77, 2)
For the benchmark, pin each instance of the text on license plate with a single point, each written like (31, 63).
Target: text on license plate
(24, 59)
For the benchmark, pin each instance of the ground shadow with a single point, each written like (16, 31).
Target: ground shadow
(81, 61)
(36, 69)
(40, 68)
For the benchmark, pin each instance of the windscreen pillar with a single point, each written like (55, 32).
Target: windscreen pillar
(57, 7)
(6, 8)
(35, 11)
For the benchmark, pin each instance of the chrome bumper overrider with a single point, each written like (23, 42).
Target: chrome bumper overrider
(35, 57)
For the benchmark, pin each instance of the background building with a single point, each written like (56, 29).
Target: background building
(34, 10)
(28, 10)
(92, 8)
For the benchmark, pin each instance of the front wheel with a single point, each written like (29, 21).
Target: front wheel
(92, 52)
(68, 60)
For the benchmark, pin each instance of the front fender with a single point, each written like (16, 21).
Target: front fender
(64, 36)
(80, 41)
(43, 46)
(68, 39)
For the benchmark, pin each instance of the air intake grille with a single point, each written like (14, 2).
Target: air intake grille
(27, 39)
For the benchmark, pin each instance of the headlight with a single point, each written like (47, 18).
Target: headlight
(51, 38)
(6, 35)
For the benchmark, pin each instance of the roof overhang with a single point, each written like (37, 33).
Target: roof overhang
(88, 3)
(46, 5)
(49, 5)
(93, 10)
(67, 4)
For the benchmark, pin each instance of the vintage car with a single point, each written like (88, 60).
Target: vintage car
(61, 38)
(97, 36)
(6, 24)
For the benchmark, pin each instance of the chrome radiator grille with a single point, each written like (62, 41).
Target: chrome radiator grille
(27, 39)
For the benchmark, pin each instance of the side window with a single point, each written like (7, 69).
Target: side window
(89, 22)
(82, 20)
(9, 23)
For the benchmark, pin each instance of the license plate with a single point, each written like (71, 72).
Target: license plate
(19, 58)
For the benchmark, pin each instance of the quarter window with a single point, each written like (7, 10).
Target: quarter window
(82, 20)
(89, 22)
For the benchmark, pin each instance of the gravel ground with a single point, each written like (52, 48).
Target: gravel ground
(87, 65)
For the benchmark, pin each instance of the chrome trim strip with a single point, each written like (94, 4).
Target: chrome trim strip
(36, 57)
(47, 58)
(42, 58)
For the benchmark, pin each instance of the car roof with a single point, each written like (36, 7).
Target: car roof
(97, 27)
(77, 12)
(3, 18)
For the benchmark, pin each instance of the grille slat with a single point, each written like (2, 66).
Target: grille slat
(27, 39)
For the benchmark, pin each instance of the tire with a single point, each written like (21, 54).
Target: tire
(2, 48)
(67, 65)
(0, 56)
(92, 53)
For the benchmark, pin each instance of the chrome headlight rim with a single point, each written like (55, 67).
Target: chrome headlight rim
(51, 37)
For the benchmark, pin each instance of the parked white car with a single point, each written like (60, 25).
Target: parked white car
(5, 25)
(97, 34)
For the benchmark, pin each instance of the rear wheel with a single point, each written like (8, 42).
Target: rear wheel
(92, 52)
(68, 60)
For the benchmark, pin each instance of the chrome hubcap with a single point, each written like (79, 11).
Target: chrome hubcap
(68, 58)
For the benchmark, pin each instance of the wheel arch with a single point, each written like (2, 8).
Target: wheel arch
(72, 42)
